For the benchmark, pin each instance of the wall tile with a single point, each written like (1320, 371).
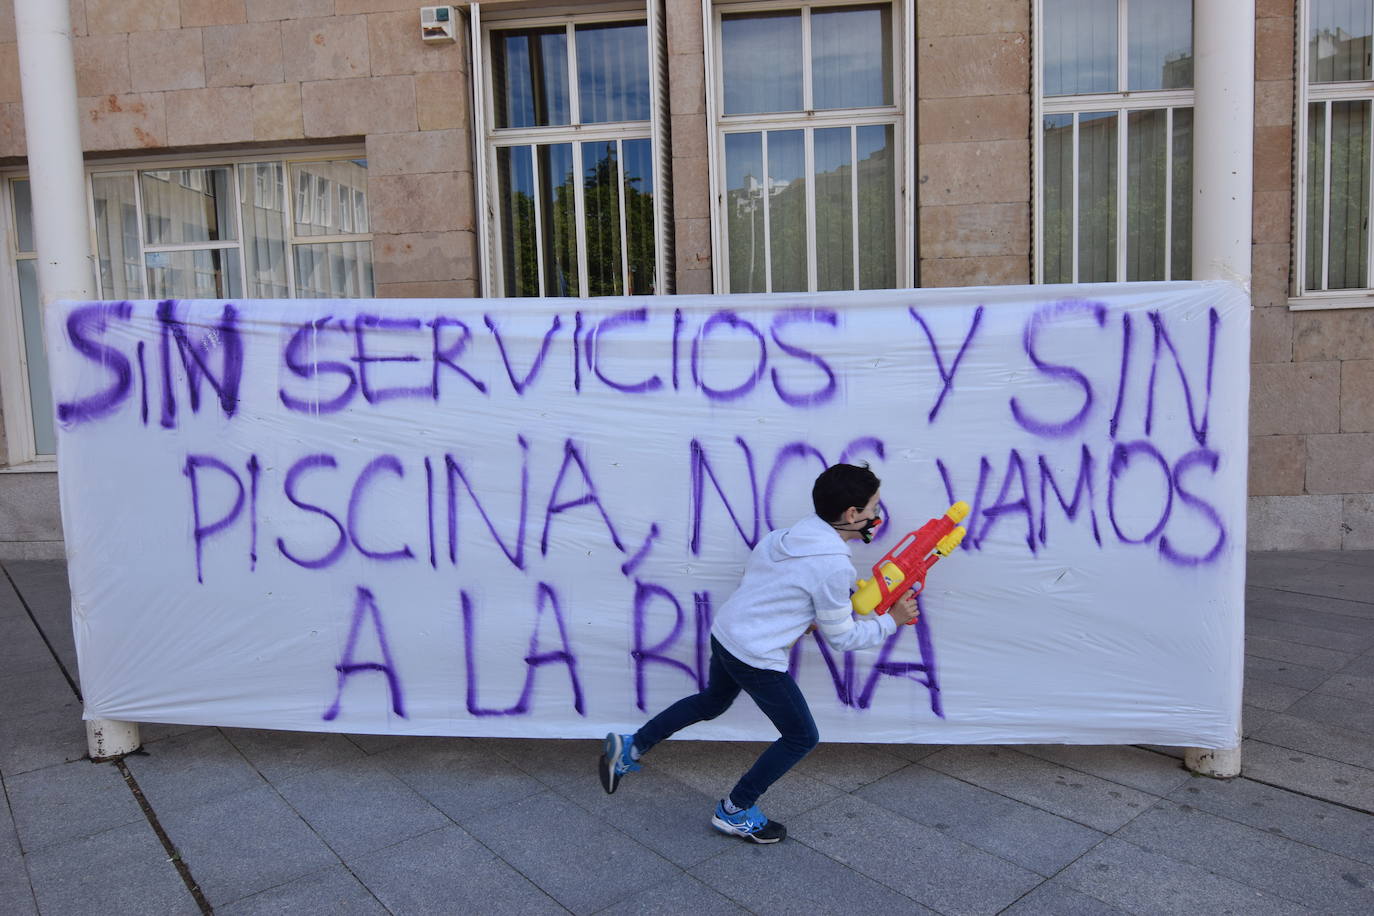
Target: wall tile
(989, 117)
(964, 66)
(277, 112)
(972, 17)
(1271, 335)
(1274, 103)
(404, 204)
(989, 271)
(1278, 465)
(975, 230)
(1269, 282)
(1291, 398)
(683, 23)
(132, 121)
(442, 289)
(442, 100)
(105, 16)
(9, 73)
(212, 12)
(1334, 334)
(1341, 463)
(357, 107)
(1294, 523)
(395, 46)
(200, 117)
(424, 256)
(267, 10)
(1273, 49)
(243, 55)
(11, 129)
(687, 84)
(1357, 521)
(325, 49)
(102, 65)
(997, 171)
(166, 60)
(1273, 157)
(1272, 217)
(1357, 396)
(419, 153)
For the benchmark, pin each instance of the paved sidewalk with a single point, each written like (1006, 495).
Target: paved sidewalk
(243, 821)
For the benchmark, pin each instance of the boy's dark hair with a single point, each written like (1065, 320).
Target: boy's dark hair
(841, 486)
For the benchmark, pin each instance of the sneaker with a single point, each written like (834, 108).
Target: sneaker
(616, 761)
(749, 824)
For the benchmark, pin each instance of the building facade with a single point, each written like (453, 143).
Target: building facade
(315, 148)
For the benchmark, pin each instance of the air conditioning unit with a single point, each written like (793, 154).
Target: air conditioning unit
(437, 23)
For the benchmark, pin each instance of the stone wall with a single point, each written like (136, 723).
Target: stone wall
(1312, 373)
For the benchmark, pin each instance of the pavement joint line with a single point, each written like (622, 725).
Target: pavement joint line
(173, 856)
(44, 636)
(9, 809)
(1291, 591)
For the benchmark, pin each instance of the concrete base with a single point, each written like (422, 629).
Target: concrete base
(1219, 763)
(107, 739)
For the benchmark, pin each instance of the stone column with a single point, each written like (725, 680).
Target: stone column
(691, 136)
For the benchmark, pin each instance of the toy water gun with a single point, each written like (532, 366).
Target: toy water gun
(904, 567)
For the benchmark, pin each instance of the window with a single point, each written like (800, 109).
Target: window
(1114, 148)
(570, 163)
(810, 139)
(206, 230)
(1333, 251)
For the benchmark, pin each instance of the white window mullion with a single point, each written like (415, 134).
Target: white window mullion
(767, 213)
(236, 194)
(1123, 74)
(854, 201)
(579, 219)
(1122, 190)
(1369, 198)
(808, 102)
(1168, 193)
(809, 164)
(1326, 192)
(538, 220)
(574, 97)
(1074, 197)
(624, 234)
(289, 230)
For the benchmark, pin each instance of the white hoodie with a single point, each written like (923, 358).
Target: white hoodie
(795, 577)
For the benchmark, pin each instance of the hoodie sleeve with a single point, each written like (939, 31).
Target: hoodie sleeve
(835, 617)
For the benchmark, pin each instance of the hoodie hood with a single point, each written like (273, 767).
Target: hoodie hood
(810, 537)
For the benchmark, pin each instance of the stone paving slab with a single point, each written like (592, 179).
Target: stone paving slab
(1022, 834)
(190, 769)
(69, 801)
(123, 870)
(1314, 775)
(682, 896)
(1053, 898)
(332, 890)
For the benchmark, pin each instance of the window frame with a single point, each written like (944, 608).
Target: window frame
(20, 447)
(488, 138)
(899, 114)
(1121, 103)
(1300, 298)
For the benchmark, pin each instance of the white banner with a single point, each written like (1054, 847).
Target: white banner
(515, 517)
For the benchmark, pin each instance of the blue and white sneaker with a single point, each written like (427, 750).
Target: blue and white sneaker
(616, 761)
(750, 824)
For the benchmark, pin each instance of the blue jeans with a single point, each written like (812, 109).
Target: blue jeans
(776, 694)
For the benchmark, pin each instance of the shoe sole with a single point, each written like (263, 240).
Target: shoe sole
(605, 764)
(732, 830)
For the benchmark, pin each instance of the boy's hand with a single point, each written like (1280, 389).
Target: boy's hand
(904, 611)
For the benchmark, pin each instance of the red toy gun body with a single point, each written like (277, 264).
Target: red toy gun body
(904, 567)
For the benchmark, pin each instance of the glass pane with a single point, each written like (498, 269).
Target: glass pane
(40, 393)
(787, 209)
(262, 199)
(744, 211)
(116, 237)
(761, 61)
(558, 211)
(1347, 260)
(321, 190)
(613, 72)
(601, 196)
(23, 215)
(1338, 40)
(515, 198)
(834, 208)
(1080, 46)
(207, 273)
(639, 216)
(185, 206)
(1057, 187)
(877, 207)
(1147, 151)
(1316, 197)
(529, 70)
(851, 57)
(333, 270)
(1181, 265)
(1159, 53)
(1096, 197)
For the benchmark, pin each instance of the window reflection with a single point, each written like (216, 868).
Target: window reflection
(1079, 53)
(530, 77)
(184, 206)
(762, 62)
(613, 72)
(1338, 40)
(851, 57)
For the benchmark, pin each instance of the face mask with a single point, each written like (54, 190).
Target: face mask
(866, 529)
